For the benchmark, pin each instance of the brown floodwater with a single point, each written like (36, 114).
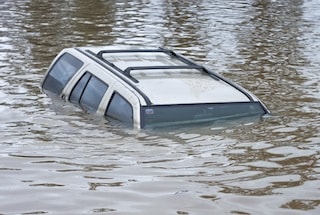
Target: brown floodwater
(55, 159)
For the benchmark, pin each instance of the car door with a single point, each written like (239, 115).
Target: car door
(88, 92)
(120, 109)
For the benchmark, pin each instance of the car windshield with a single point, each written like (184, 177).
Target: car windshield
(170, 115)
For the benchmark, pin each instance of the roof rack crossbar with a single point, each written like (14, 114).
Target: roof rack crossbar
(129, 69)
(100, 53)
(112, 65)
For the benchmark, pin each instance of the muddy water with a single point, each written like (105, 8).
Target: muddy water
(54, 159)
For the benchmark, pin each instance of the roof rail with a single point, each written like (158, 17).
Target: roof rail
(100, 53)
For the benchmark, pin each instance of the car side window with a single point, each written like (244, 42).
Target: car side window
(78, 89)
(120, 109)
(61, 73)
(88, 92)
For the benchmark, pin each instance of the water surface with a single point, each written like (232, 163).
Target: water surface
(55, 159)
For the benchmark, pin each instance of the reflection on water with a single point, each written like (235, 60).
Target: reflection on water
(56, 159)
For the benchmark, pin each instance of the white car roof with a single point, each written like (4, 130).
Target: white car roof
(171, 85)
(188, 90)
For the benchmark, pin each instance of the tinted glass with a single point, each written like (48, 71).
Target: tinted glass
(92, 94)
(60, 74)
(78, 89)
(120, 109)
(165, 115)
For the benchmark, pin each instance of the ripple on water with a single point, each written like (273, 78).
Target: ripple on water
(288, 152)
(56, 159)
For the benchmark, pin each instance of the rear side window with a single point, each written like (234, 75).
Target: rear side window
(61, 73)
(120, 109)
(88, 92)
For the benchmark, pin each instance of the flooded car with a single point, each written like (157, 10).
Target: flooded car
(145, 88)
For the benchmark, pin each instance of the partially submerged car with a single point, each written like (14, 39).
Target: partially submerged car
(146, 88)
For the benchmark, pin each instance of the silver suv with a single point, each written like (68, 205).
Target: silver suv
(146, 88)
